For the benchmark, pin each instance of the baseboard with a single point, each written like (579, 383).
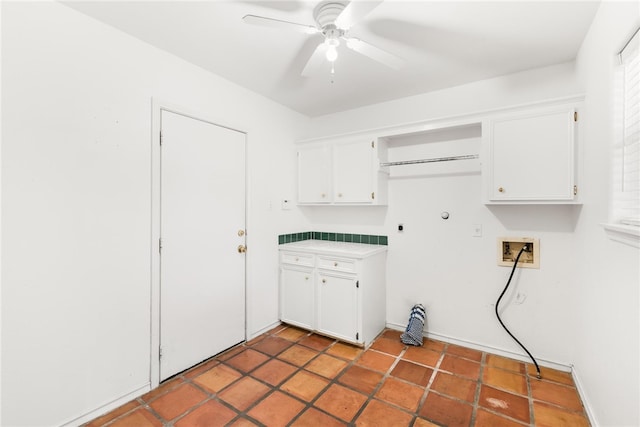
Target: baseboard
(583, 396)
(107, 407)
(263, 330)
(489, 349)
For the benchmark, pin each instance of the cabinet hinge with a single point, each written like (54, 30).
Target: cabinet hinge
(160, 245)
(357, 336)
(160, 354)
(373, 144)
(373, 195)
(575, 116)
(357, 283)
(160, 137)
(575, 190)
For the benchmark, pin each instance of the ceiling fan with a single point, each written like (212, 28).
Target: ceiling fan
(333, 20)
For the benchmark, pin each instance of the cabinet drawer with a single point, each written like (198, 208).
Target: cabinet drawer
(337, 264)
(297, 259)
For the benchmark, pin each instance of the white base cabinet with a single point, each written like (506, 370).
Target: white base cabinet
(342, 295)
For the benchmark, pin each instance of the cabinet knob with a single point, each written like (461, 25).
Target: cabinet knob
(323, 195)
(297, 259)
(339, 194)
(306, 278)
(501, 190)
(335, 264)
(324, 280)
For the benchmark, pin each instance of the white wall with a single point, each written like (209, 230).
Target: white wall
(581, 307)
(438, 262)
(76, 205)
(607, 343)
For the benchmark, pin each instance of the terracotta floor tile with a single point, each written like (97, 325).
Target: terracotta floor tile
(292, 333)
(412, 372)
(374, 360)
(327, 366)
(110, 416)
(458, 366)
(276, 329)
(391, 334)
(401, 394)
(389, 346)
(549, 374)
(422, 355)
(454, 386)
(274, 372)
(508, 404)
(230, 353)
(484, 419)
(433, 345)
(272, 345)
(505, 380)
(443, 410)
(362, 379)
(243, 393)
(177, 401)
(199, 369)
(211, 413)
(421, 422)
(317, 342)
(298, 355)
(557, 394)
(505, 363)
(276, 410)
(305, 385)
(255, 340)
(162, 389)
(341, 402)
(313, 418)
(549, 416)
(138, 418)
(217, 378)
(345, 351)
(467, 353)
(379, 414)
(247, 360)
(242, 422)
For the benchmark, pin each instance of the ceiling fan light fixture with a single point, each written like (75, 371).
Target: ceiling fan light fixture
(332, 51)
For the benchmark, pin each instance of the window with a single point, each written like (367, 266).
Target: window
(625, 224)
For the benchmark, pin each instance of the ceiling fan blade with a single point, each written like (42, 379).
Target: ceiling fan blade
(375, 53)
(278, 23)
(355, 12)
(316, 60)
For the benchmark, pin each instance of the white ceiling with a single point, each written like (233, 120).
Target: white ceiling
(444, 43)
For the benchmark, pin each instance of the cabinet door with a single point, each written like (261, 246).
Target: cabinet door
(297, 296)
(314, 174)
(532, 156)
(354, 172)
(338, 306)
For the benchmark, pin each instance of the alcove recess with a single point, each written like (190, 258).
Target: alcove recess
(437, 151)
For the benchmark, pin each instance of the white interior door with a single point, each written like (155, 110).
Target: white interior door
(202, 273)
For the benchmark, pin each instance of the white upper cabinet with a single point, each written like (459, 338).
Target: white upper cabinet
(531, 156)
(314, 174)
(342, 172)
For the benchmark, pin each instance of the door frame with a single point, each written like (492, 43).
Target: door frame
(157, 106)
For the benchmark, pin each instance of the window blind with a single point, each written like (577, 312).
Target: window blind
(629, 198)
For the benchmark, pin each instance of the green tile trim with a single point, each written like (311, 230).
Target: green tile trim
(333, 237)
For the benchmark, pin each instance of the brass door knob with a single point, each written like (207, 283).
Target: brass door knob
(242, 249)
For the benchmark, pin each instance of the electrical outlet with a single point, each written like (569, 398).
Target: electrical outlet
(509, 247)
